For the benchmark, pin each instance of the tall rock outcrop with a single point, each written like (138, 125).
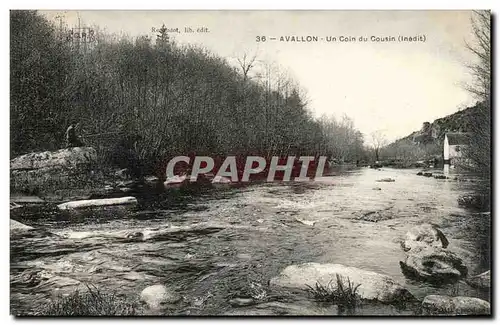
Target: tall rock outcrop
(46, 172)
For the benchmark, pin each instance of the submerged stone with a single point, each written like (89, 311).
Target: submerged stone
(387, 180)
(275, 308)
(238, 302)
(445, 305)
(376, 216)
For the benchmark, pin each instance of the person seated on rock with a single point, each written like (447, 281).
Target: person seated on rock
(72, 139)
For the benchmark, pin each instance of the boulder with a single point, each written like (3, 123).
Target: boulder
(446, 305)
(70, 157)
(373, 286)
(221, 180)
(151, 180)
(420, 174)
(424, 235)
(157, 296)
(427, 174)
(20, 230)
(419, 164)
(17, 226)
(388, 180)
(433, 264)
(128, 200)
(176, 181)
(122, 173)
(481, 281)
(43, 172)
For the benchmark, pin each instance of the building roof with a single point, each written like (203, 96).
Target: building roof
(455, 138)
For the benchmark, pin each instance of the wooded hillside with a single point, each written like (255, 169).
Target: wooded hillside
(140, 101)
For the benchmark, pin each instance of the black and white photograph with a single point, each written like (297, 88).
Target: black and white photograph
(250, 163)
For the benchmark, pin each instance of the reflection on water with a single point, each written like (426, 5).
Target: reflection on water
(224, 243)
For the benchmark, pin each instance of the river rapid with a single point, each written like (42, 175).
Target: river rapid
(215, 245)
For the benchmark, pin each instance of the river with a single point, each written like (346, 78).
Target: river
(223, 243)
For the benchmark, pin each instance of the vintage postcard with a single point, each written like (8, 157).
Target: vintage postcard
(250, 163)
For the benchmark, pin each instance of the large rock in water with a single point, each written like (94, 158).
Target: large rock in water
(49, 170)
(445, 305)
(18, 227)
(373, 286)
(20, 230)
(156, 296)
(176, 181)
(432, 264)
(424, 235)
(82, 204)
(70, 157)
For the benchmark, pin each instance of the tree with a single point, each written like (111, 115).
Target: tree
(481, 49)
(162, 36)
(39, 68)
(378, 142)
(478, 152)
(246, 63)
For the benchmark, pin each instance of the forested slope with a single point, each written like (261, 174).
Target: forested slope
(140, 101)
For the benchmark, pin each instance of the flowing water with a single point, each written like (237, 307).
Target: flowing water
(223, 243)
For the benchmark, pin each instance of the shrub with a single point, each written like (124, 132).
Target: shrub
(343, 294)
(90, 302)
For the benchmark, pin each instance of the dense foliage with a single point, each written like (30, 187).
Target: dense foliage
(141, 101)
(479, 152)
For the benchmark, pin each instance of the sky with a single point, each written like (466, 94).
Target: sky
(390, 87)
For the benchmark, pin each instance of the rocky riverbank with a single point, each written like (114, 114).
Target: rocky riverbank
(257, 250)
(428, 260)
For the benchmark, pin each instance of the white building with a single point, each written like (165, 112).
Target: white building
(454, 143)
